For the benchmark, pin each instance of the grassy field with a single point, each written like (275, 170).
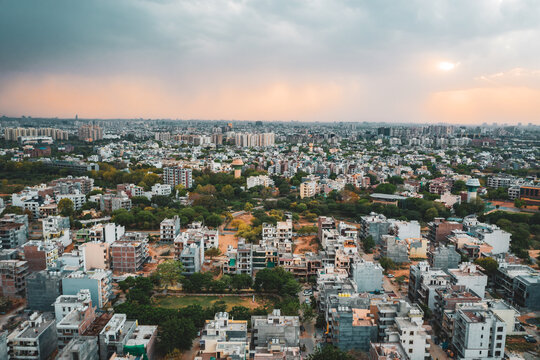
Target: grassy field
(174, 301)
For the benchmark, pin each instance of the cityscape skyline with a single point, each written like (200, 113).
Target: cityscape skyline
(419, 62)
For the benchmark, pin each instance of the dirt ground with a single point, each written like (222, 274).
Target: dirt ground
(227, 238)
(306, 244)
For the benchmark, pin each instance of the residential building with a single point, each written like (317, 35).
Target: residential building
(478, 333)
(440, 228)
(161, 190)
(308, 189)
(65, 304)
(96, 255)
(34, 339)
(468, 275)
(446, 300)
(374, 225)
(351, 328)
(530, 194)
(130, 253)
(492, 235)
(387, 351)
(80, 348)
(423, 282)
(275, 329)
(13, 278)
(519, 285)
(223, 337)
(260, 180)
(75, 323)
(174, 176)
(13, 231)
(70, 185)
(42, 289)
(98, 282)
(77, 199)
(90, 133)
(412, 336)
(395, 249)
(367, 276)
(115, 336)
(169, 229)
(112, 202)
(192, 257)
(40, 255)
(56, 228)
(444, 258)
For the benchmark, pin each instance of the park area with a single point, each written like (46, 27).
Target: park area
(176, 301)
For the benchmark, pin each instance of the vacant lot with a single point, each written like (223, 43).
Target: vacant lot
(174, 301)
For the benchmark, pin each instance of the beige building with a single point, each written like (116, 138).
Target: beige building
(96, 255)
(308, 189)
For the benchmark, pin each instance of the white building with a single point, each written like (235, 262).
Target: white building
(368, 276)
(161, 189)
(169, 229)
(78, 199)
(263, 180)
(478, 333)
(469, 276)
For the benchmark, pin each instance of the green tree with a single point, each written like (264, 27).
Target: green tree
(386, 188)
(459, 186)
(227, 192)
(489, 264)
(213, 220)
(368, 244)
(212, 253)
(329, 352)
(248, 207)
(170, 272)
(176, 333)
(65, 207)
(387, 263)
(519, 203)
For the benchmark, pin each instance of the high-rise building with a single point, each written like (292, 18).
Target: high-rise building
(90, 133)
(178, 176)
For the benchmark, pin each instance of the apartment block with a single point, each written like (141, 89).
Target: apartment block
(130, 253)
(368, 276)
(34, 339)
(96, 255)
(519, 285)
(439, 229)
(308, 189)
(98, 282)
(444, 258)
(169, 229)
(13, 275)
(468, 275)
(478, 333)
(223, 337)
(13, 231)
(75, 323)
(174, 176)
(275, 329)
(43, 287)
(80, 348)
(40, 255)
(351, 328)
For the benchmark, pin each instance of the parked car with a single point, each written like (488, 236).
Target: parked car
(530, 339)
(390, 276)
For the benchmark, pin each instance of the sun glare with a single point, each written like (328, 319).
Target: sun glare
(446, 66)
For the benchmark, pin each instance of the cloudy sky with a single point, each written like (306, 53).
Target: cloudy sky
(312, 60)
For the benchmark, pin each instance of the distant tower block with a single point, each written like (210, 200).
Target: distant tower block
(237, 166)
(472, 188)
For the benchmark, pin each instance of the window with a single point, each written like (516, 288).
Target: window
(499, 337)
(500, 329)
(497, 353)
(410, 341)
(410, 351)
(412, 333)
(498, 345)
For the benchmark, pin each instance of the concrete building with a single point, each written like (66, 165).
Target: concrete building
(492, 235)
(351, 328)
(472, 189)
(374, 225)
(519, 285)
(121, 335)
(468, 275)
(423, 283)
(80, 348)
(178, 176)
(367, 276)
(261, 180)
(169, 229)
(13, 275)
(223, 337)
(34, 339)
(439, 229)
(308, 189)
(98, 282)
(412, 336)
(444, 258)
(78, 199)
(387, 351)
(96, 255)
(161, 190)
(43, 287)
(192, 257)
(275, 329)
(4, 350)
(56, 228)
(75, 323)
(395, 249)
(446, 300)
(478, 333)
(13, 231)
(112, 202)
(130, 253)
(40, 255)
(65, 304)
